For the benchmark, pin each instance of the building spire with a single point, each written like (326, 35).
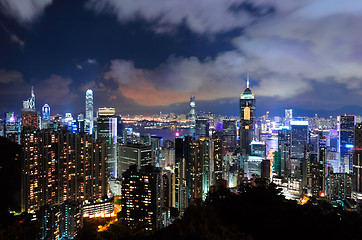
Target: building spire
(247, 80)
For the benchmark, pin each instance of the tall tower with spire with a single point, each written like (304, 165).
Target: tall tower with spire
(247, 118)
(89, 111)
(29, 116)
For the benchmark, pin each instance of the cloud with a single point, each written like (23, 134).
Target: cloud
(285, 51)
(202, 16)
(317, 40)
(24, 11)
(56, 90)
(13, 37)
(178, 78)
(86, 63)
(10, 76)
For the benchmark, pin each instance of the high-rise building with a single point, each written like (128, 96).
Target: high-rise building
(142, 197)
(45, 113)
(298, 146)
(284, 150)
(357, 163)
(60, 221)
(12, 127)
(346, 125)
(258, 148)
(58, 166)
(216, 160)
(247, 116)
(288, 116)
(30, 103)
(338, 186)
(29, 116)
(107, 124)
(202, 128)
(277, 164)
(133, 154)
(200, 170)
(192, 112)
(183, 149)
(89, 111)
(316, 172)
(228, 135)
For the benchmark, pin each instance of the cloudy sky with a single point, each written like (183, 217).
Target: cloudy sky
(150, 56)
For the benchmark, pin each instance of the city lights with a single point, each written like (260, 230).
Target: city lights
(181, 119)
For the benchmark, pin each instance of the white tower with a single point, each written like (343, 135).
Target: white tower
(89, 111)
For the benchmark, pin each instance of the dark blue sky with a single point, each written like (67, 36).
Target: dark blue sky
(144, 57)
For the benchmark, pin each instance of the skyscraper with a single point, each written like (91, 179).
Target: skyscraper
(29, 116)
(46, 113)
(30, 103)
(107, 132)
(202, 128)
(357, 163)
(141, 197)
(192, 112)
(346, 125)
(284, 150)
(200, 169)
(228, 135)
(247, 116)
(288, 116)
(11, 125)
(57, 166)
(298, 145)
(89, 111)
(133, 154)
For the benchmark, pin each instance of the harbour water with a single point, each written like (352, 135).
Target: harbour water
(166, 133)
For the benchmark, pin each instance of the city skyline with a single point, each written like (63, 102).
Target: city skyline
(298, 55)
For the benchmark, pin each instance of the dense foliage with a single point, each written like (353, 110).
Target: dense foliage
(257, 211)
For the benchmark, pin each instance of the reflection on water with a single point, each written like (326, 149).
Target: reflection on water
(166, 134)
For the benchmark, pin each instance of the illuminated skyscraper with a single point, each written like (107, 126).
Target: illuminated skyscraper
(202, 128)
(228, 135)
(298, 146)
(216, 160)
(200, 169)
(357, 163)
(30, 103)
(288, 116)
(346, 125)
(46, 113)
(11, 124)
(284, 150)
(57, 166)
(107, 132)
(133, 154)
(89, 111)
(29, 116)
(247, 116)
(141, 197)
(192, 112)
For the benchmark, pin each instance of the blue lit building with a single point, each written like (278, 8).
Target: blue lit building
(346, 125)
(12, 127)
(45, 113)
